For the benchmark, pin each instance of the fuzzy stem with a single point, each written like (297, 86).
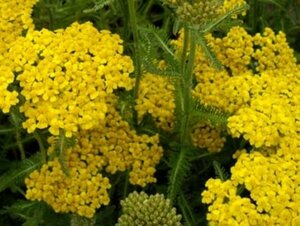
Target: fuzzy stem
(185, 101)
(186, 88)
(137, 52)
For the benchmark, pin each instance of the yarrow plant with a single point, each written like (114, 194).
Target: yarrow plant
(163, 112)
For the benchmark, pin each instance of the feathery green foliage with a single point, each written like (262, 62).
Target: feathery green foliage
(180, 169)
(208, 114)
(61, 144)
(77, 220)
(33, 213)
(211, 56)
(18, 171)
(99, 4)
(220, 171)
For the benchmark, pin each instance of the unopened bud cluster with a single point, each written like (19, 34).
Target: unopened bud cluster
(140, 209)
(198, 12)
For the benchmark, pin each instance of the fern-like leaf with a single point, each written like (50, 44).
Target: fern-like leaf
(211, 56)
(34, 213)
(30, 212)
(99, 4)
(220, 171)
(77, 220)
(186, 210)
(210, 26)
(180, 168)
(61, 144)
(19, 170)
(154, 46)
(208, 114)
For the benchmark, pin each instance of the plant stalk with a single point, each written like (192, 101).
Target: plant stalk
(137, 51)
(41, 146)
(180, 166)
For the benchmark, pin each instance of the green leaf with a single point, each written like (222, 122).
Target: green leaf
(34, 213)
(19, 170)
(99, 4)
(276, 3)
(208, 51)
(77, 220)
(61, 144)
(216, 22)
(155, 46)
(186, 210)
(180, 168)
(208, 114)
(220, 171)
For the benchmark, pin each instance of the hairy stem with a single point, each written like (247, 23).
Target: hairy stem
(137, 52)
(180, 166)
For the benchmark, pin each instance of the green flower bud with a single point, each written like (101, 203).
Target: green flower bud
(152, 210)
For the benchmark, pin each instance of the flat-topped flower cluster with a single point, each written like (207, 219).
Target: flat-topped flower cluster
(63, 81)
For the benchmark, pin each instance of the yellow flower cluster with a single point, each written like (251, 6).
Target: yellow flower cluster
(205, 136)
(272, 116)
(273, 183)
(14, 19)
(7, 98)
(272, 51)
(81, 192)
(111, 146)
(231, 4)
(65, 76)
(156, 97)
(124, 149)
(259, 85)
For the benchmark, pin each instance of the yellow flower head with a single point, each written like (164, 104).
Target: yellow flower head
(65, 76)
(156, 97)
(272, 182)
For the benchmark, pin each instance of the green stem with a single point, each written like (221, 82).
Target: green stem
(25, 140)
(125, 190)
(202, 156)
(254, 14)
(20, 144)
(7, 130)
(20, 190)
(147, 8)
(180, 166)
(186, 88)
(184, 49)
(137, 52)
(41, 146)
